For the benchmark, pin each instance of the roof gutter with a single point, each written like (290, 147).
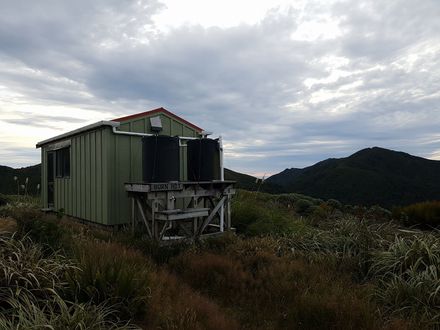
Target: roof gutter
(115, 131)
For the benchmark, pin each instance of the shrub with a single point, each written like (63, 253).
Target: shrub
(335, 204)
(426, 214)
(252, 218)
(377, 212)
(41, 228)
(303, 206)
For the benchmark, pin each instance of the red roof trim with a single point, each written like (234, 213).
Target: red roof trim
(159, 110)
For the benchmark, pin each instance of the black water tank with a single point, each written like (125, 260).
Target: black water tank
(160, 159)
(203, 160)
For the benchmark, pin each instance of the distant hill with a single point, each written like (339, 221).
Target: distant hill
(9, 186)
(370, 176)
(244, 181)
(249, 182)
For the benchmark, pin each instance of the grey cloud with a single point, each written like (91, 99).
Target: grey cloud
(238, 81)
(42, 121)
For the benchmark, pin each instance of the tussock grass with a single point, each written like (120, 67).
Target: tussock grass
(175, 305)
(26, 267)
(409, 278)
(269, 291)
(33, 286)
(111, 273)
(59, 314)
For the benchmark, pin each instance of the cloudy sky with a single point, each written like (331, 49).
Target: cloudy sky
(286, 83)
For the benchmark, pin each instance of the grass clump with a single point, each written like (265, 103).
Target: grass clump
(409, 278)
(110, 273)
(26, 267)
(33, 288)
(60, 314)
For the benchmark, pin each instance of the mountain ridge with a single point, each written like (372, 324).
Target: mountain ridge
(369, 176)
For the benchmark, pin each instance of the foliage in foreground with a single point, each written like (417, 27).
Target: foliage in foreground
(276, 292)
(110, 273)
(330, 267)
(32, 286)
(409, 277)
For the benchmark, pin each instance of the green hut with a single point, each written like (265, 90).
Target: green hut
(83, 171)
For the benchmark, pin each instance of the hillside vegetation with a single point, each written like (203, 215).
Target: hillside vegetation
(296, 263)
(370, 176)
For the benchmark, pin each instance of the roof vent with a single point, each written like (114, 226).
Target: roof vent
(156, 124)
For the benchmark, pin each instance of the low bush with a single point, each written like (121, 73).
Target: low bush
(251, 217)
(41, 228)
(426, 214)
(304, 206)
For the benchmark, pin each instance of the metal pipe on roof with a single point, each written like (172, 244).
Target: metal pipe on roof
(149, 134)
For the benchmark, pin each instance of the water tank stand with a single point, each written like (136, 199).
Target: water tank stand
(154, 205)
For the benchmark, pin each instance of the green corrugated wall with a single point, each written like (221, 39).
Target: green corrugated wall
(100, 163)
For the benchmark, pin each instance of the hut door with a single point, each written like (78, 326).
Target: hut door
(50, 178)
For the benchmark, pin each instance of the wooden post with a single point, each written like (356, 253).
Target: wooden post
(228, 212)
(132, 215)
(195, 204)
(143, 217)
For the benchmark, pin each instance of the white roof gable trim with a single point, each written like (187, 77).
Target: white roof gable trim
(78, 131)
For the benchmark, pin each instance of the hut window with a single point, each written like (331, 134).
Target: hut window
(63, 163)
